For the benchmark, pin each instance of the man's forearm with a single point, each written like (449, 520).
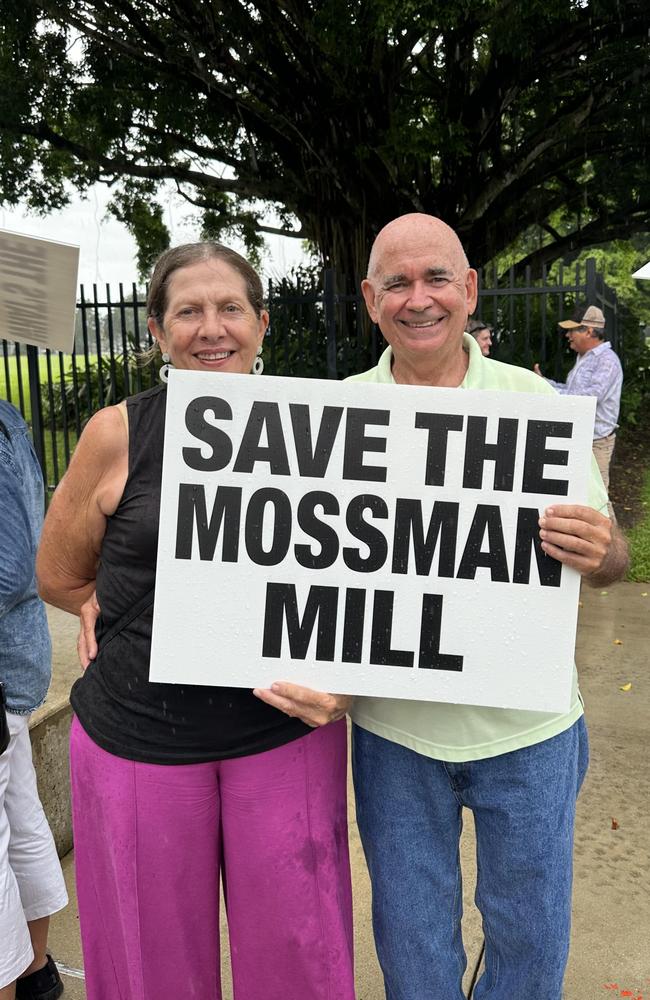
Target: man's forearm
(615, 563)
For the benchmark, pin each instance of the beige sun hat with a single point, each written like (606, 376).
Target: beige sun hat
(592, 316)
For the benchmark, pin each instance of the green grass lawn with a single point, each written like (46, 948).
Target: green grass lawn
(55, 438)
(639, 539)
(9, 388)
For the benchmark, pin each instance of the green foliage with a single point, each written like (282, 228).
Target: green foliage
(219, 223)
(136, 208)
(639, 540)
(101, 382)
(636, 385)
(297, 342)
(526, 324)
(617, 262)
(340, 113)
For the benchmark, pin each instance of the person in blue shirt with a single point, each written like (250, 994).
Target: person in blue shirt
(31, 881)
(596, 372)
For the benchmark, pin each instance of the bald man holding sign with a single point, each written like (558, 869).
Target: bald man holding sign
(416, 764)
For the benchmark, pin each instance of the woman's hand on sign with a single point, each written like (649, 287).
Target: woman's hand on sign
(586, 540)
(86, 642)
(315, 708)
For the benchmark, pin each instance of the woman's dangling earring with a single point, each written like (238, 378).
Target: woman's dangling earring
(163, 374)
(258, 364)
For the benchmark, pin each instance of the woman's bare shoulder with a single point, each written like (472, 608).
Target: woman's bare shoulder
(98, 468)
(107, 431)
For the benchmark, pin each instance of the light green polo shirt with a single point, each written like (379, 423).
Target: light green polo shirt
(468, 732)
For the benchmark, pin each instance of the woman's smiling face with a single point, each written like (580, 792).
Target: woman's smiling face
(209, 323)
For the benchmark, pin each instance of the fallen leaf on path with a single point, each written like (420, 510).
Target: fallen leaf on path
(618, 642)
(614, 827)
(603, 593)
(626, 687)
(644, 594)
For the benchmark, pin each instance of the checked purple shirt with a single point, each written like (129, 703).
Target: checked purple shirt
(597, 373)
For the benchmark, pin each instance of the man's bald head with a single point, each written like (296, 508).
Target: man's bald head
(420, 291)
(414, 233)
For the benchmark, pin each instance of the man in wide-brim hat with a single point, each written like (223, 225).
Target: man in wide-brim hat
(596, 372)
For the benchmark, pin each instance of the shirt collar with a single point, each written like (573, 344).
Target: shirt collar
(472, 378)
(603, 346)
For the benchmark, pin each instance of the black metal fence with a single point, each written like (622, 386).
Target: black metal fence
(315, 332)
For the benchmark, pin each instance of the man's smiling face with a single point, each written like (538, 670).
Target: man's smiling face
(419, 288)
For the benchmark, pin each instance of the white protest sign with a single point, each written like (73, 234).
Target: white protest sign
(38, 288)
(367, 539)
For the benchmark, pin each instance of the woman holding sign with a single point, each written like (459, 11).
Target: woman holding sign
(171, 783)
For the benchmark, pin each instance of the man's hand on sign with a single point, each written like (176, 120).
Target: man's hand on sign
(86, 642)
(586, 540)
(315, 708)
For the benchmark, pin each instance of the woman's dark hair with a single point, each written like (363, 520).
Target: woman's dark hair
(194, 253)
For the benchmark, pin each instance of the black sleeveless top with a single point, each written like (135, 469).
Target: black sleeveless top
(114, 700)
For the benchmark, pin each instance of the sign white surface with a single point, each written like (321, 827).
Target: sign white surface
(38, 288)
(367, 539)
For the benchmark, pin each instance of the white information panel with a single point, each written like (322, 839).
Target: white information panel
(38, 288)
(367, 539)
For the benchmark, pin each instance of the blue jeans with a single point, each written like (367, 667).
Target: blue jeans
(409, 811)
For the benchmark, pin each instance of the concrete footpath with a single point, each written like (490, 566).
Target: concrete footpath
(610, 950)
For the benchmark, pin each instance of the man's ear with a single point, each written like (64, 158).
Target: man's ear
(471, 289)
(368, 292)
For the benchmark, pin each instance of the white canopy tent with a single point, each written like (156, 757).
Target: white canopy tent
(643, 272)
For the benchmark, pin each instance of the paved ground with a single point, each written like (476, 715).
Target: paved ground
(610, 953)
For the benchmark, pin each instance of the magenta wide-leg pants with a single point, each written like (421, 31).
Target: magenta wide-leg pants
(149, 842)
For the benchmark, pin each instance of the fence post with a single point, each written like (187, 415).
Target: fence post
(329, 302)
(613, 332)
(34, 376)
(591, 289)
